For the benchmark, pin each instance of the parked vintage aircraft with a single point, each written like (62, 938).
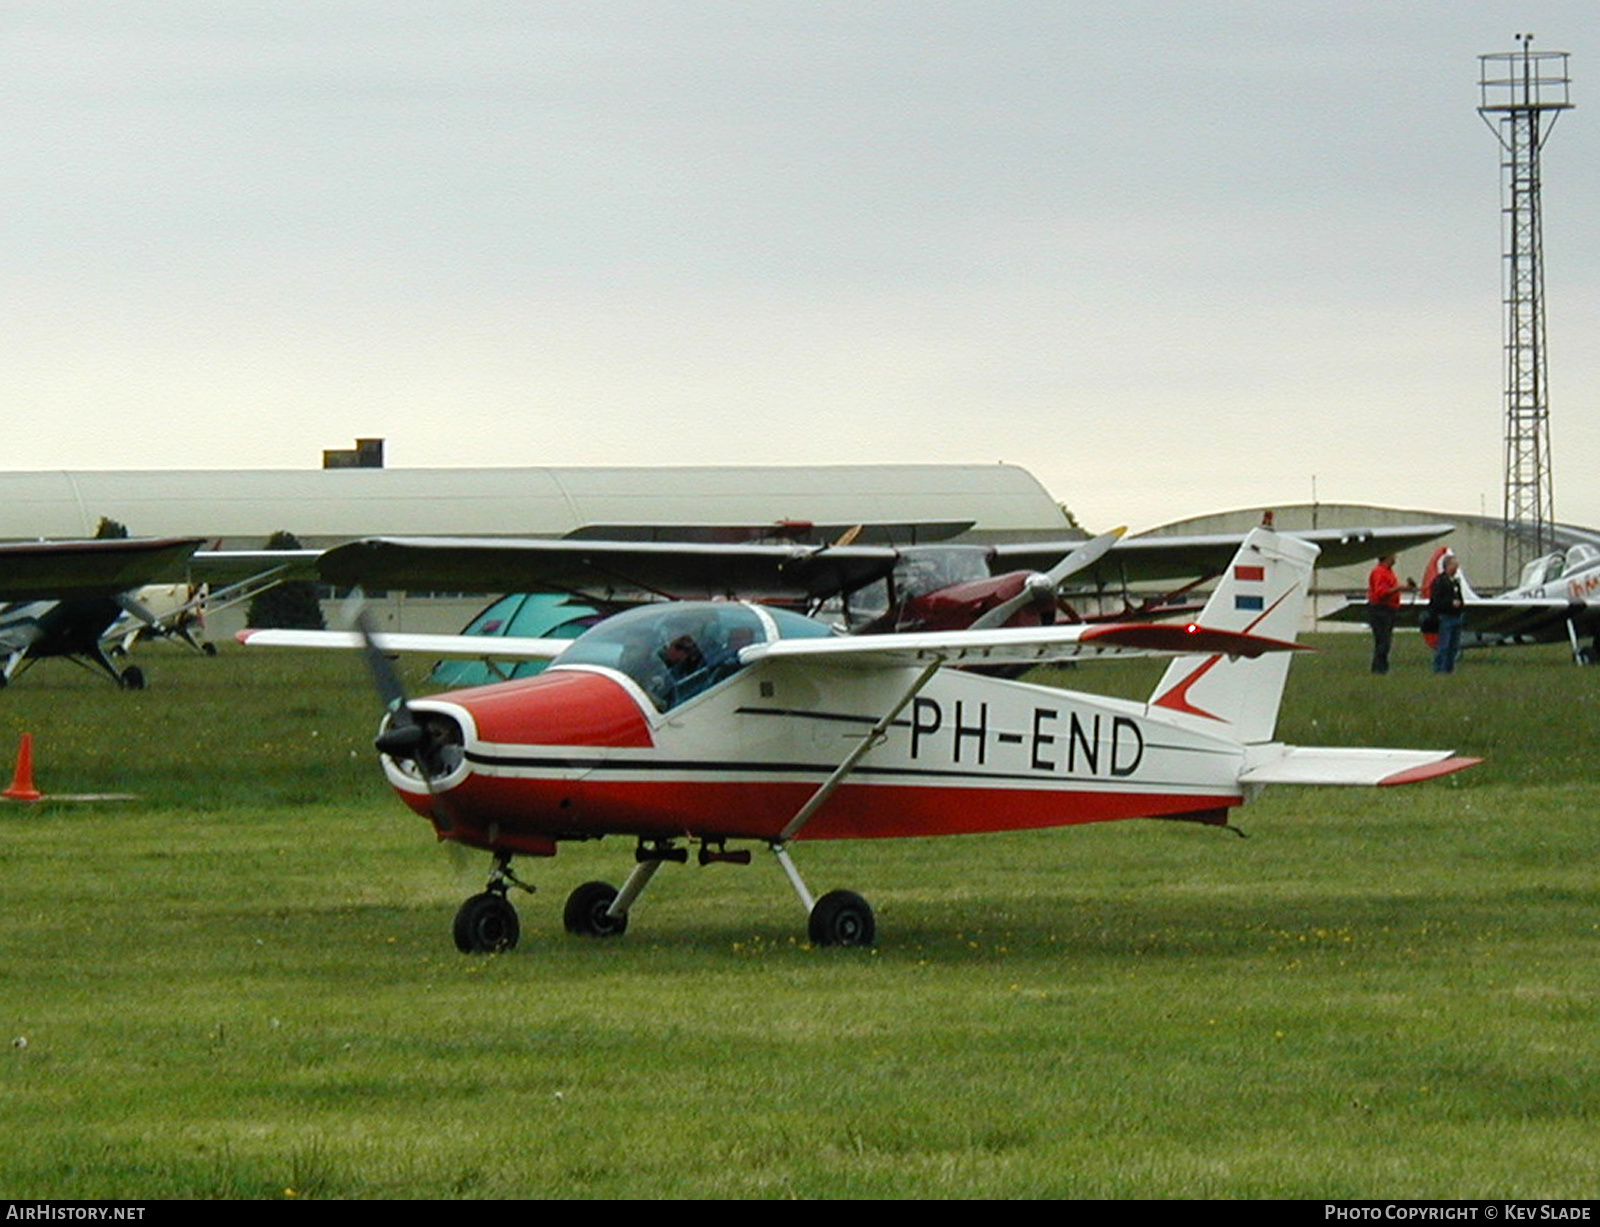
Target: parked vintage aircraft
(876, 585)
(63, 596)
(711, 723)
(1557, 600)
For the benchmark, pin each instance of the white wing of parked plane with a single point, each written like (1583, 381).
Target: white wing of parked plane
(1019, 645)
(501, 648)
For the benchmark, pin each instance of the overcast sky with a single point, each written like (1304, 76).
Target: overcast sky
(1171, 257)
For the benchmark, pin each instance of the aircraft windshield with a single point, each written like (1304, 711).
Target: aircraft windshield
(1581, 556)
(925, 569)
(1543, 570)
(676, 651)
(918, 571)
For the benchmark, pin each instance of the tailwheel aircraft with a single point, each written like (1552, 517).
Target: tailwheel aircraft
(62, 599)
(708, 725)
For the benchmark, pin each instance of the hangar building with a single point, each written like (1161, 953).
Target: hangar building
(326, 506)
(1478, 541)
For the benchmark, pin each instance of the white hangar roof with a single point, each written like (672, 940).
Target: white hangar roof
(323, 506)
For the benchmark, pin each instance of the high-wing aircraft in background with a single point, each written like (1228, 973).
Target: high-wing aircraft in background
(712, 723)
(870, 580)
(61, 597)
(1557, 600)
(866, 586)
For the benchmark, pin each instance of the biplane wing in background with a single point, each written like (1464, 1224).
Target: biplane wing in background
(711, 723)
(877, 587)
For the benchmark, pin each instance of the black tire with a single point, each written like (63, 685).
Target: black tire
(842, 918)
(586, 911)
(132, 678)
(486, 924)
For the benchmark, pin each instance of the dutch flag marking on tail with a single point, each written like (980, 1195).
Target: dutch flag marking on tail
(1263, 592)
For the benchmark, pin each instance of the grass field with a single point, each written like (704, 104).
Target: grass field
(243, 985)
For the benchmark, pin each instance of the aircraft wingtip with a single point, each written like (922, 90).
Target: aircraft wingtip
(1429, 771)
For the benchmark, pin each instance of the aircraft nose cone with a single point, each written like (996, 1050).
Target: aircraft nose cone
(575, 707)
(420, 744)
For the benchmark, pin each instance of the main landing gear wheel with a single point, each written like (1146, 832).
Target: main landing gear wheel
(486, 924)
(586, 911)
(842, 918)
(131, 678)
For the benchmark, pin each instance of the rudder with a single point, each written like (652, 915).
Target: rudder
(1263, 592)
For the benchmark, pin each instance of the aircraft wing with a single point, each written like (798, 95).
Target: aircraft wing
(222, 568)
(1531, 619)
(57, 570)
(869, 532)
(1527, 618)
(607, 570)
(1139, 559)
(1019, 645)
(476, 646)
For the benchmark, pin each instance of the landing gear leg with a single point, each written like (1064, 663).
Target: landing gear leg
(487, 923)
(599, 909)
(839, 918)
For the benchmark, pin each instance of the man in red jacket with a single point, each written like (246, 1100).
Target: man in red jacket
(1383, 607)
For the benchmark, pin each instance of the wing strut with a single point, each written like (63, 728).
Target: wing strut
(873, 738)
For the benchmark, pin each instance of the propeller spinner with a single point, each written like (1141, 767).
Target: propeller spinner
(1043, 585)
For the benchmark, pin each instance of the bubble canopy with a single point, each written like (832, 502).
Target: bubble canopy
(676, 651)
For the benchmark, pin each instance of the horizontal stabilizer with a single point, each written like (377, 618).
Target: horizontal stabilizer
(1326, 765)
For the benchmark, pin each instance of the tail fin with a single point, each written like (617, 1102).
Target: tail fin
(1431, 573)
(1264, 592)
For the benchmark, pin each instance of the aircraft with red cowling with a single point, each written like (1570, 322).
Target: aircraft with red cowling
(709, 724)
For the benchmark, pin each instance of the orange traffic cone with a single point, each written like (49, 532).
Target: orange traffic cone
(22, 788)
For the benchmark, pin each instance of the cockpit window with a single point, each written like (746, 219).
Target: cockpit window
(674, 652)
(1580, 556)
(924, 569)
(1543, 570)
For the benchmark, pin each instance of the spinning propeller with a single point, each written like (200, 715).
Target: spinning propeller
(1043, 585)
(403, 736)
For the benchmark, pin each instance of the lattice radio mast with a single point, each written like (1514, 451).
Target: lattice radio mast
(1521, 94)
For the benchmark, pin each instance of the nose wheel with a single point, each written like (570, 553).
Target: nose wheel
(487, 924)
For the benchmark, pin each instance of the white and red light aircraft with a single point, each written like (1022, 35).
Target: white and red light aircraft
(712, 723)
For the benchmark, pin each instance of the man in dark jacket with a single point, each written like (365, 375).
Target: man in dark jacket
(1446, 607)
